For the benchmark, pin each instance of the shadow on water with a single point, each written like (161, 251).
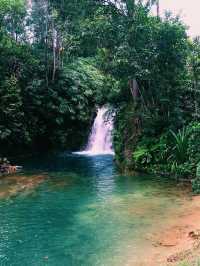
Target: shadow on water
(65, 161)
(84, 213)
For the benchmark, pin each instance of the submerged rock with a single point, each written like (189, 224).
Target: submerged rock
(15, 184)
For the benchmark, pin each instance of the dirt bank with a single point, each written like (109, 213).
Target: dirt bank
(178, 243)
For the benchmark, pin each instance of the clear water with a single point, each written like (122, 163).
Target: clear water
(84, 214)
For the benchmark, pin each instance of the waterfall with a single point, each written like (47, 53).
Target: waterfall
(100, 139)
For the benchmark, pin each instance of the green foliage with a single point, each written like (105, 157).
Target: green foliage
(40, 109)
(142, 155)
(66, 108)
(174, 154)
(196, 181)
(193, 143)
(190, 262)
(196, 185)
(11, 112)
(61, 60)
(198, 171)
(180, 140)
(186, 154)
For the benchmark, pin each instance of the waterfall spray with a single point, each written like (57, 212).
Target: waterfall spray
(100, 139)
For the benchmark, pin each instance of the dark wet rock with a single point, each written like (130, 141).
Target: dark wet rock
(7, 168)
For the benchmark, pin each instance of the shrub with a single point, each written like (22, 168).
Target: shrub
(196, 181)
(180, 140)
(142, 156)
(194, 144)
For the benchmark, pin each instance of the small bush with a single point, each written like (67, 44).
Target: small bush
(196, 181)
(180, 148)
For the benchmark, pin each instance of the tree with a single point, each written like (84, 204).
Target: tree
(194, 67)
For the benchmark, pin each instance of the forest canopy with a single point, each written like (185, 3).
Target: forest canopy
(59, 60)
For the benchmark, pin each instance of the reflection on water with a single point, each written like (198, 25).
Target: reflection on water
(84, 213)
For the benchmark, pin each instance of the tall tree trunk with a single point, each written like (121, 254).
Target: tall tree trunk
(134, 88)
(130, 6)
(158, 8)
(196, 95)
(54, 50)
(58, 49)
(46, 44)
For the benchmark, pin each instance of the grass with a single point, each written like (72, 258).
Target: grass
(186, 263)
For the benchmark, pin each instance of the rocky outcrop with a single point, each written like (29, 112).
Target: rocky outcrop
(7, 168)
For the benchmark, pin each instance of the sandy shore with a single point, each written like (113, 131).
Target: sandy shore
(178, 243)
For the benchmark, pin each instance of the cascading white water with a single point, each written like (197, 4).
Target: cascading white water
(100, 139)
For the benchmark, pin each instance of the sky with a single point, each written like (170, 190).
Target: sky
(190, 12)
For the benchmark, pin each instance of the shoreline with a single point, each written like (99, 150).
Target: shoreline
(178, 242)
